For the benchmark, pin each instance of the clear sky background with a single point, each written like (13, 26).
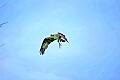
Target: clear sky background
(91, 26)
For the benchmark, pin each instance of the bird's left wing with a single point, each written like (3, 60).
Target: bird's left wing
(45, 44)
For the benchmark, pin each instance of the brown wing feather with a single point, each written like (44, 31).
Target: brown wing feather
(45, 44)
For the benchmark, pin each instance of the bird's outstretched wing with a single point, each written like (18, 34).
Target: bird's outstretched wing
(45, 44)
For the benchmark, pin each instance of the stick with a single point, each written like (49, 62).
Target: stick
(3, 5)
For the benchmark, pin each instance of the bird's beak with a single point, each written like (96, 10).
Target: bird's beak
(66, 40)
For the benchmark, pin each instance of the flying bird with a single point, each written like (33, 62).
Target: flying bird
(59, 37)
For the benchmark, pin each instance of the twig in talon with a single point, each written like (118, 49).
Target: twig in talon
(60, 45)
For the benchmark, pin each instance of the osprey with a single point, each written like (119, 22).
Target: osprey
(59, 37)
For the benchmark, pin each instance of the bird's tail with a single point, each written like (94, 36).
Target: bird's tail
(42, 50)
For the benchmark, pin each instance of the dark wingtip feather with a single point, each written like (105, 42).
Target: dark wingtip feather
(42, 51)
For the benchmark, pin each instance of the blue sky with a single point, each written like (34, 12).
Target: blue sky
(91, 26)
